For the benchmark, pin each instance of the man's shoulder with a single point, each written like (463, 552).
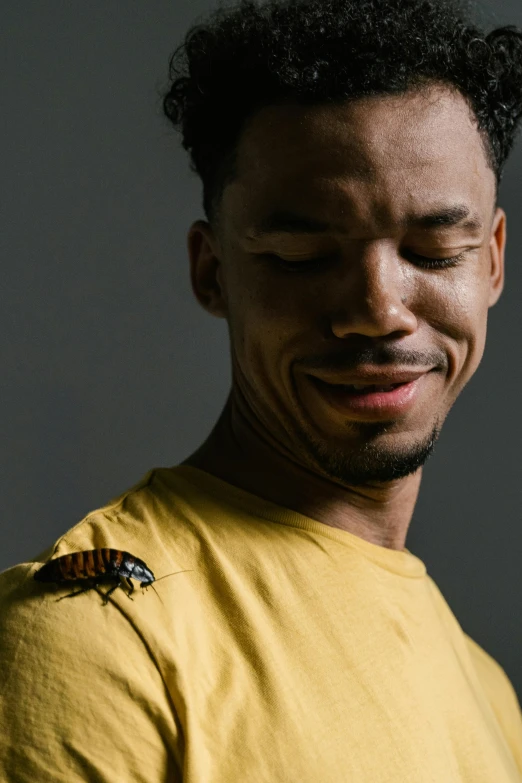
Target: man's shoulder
(500, 694)
(150, 520)
(123, 522)
(492, 676)
(122, 517)
(74, 676)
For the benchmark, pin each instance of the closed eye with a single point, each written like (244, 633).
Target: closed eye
(435, 263)
(308, 264)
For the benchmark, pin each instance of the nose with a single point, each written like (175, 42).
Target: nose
(371, 298)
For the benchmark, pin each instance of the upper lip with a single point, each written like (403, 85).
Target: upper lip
(381, 378)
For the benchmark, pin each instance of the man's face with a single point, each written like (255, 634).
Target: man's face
(373, 171)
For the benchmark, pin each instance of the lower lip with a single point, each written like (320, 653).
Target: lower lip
(377, 404)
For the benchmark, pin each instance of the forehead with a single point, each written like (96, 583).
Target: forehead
(377, 158)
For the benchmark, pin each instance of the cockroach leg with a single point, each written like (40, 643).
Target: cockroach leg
(78, 592)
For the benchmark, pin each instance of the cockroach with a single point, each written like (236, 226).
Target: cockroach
(99, 566)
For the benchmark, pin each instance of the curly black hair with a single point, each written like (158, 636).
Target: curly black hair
(324, 51)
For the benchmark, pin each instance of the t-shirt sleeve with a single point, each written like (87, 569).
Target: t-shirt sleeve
(81, 698)
(501, 695)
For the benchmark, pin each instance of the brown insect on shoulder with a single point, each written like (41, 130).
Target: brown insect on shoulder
(93, 567)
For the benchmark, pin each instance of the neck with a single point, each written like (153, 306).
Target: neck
(242, 454)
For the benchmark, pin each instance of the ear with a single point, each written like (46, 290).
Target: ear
(497, 248)
(206, 270)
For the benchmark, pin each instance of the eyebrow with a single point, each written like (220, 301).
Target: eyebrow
(285, 222)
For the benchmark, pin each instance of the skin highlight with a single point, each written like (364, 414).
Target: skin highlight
(373, 170)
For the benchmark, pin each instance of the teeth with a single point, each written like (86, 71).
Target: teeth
(370, 387)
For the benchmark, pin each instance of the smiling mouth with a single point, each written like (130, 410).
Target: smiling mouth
(370, 400)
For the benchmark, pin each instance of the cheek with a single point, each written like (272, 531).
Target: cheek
(269, 323)
(266, 311)
(457, 309)
(473, 307)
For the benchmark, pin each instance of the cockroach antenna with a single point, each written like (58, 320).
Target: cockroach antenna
(149, 584)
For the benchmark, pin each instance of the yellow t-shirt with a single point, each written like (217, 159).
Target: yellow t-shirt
(291, 651)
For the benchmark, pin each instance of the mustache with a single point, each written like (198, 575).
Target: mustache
(375, 356)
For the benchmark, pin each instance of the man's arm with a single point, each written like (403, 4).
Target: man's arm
(80, 696)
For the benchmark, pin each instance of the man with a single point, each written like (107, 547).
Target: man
(350, 154)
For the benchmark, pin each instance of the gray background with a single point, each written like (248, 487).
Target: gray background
(109, 367)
